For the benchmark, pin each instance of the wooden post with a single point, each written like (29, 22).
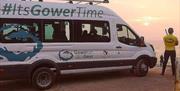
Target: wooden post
(177, 77)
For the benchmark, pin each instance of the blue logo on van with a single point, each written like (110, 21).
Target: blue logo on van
(22, 34)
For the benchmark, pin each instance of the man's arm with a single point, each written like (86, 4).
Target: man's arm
(164, 40)
(177, 42)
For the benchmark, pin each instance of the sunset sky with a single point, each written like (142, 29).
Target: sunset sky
(148, 18)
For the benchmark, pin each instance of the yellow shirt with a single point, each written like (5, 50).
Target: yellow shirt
(170, 42)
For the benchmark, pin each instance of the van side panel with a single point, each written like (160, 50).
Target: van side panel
(11, 72)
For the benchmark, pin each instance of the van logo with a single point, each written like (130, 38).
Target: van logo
(21, 34)
(65, 55)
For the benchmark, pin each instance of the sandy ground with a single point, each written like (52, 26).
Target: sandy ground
(109, 81)
(178, 86)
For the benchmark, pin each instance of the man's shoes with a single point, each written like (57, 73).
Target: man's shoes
(162, 74)
(173, 74)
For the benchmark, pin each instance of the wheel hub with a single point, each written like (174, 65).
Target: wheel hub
(144, 67)
(43, 79)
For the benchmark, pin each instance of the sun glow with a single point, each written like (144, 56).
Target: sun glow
(146, 23)
(146, 20)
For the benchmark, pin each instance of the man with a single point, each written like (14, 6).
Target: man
(170, 42)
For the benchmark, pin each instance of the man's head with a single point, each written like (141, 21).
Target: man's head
(170, 30)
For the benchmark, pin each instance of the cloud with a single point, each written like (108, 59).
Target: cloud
(148, 18)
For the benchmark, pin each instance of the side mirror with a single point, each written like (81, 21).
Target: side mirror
(142, 39)
(141, 42)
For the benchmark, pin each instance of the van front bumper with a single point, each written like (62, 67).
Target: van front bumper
(152, 62)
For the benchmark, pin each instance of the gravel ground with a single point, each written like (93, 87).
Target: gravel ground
(109, 81)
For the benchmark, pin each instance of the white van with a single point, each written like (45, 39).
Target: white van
(40, 41)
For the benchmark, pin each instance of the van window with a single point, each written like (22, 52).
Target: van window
(56, 31)
(19, 32)
(126, 35)
(93, 31)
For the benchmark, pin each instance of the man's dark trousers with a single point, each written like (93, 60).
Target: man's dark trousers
(172, 55)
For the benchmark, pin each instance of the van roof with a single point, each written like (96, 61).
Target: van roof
(47, 10)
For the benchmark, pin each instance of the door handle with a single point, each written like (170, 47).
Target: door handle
(18, 51)
(1, 58)
(118, 47)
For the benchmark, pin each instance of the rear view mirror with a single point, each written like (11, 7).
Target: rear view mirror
(83, 26)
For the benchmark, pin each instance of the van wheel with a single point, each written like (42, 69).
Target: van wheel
(140, 68)
(43, 78)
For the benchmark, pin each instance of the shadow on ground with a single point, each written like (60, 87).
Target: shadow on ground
(22, 85)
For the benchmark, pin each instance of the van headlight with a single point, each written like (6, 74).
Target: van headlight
(152, 47)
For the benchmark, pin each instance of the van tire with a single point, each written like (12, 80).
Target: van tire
(43, 78)
(140, 68)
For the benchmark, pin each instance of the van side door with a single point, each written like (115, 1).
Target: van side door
(92, 40)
